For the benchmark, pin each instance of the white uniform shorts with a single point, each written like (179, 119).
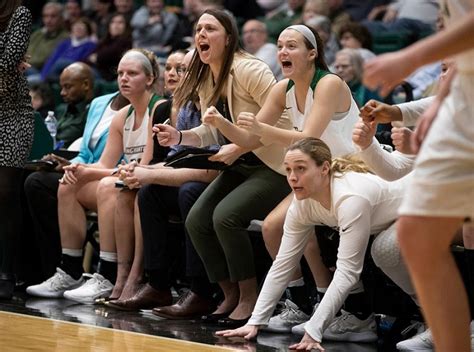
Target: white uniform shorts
(443, 177)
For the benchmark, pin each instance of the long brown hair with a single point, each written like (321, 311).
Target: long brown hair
(7, 8)
(319, 151)
(198, 72)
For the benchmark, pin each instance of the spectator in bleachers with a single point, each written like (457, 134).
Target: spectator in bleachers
(269, 5)
(110, 49)
(77, 91)
(415, 17)
(280, 18)
(359, 10)
(338, 193)
(100, 16)
(353, 35)
(243, 10)
(42, 98)
(45, 39)
(349, 65)
(125, 7)
(218, 221)
(72, 12)
(91, 186)
(254, 38)
(314, 8)
(337, 14)
(153, 27)
(41, 187)
(76, 48)
(322, 25)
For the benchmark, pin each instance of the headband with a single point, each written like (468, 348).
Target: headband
(135, 54)
(306, 32)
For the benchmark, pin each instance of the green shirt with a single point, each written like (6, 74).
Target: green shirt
(71, 121)
(42, 45)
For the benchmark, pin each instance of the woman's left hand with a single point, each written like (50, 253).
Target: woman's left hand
(138, 177)
(307, 343)
(211, 117)
(228, 154)
(248, 121)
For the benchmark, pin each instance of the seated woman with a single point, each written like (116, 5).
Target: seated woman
(130, 273)
(77, 48)
(349, 66)
(337, 193)
(87, 187)
(320, 105)
(353, 35)
(110, 49)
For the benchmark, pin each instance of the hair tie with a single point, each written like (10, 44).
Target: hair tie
(306, 32)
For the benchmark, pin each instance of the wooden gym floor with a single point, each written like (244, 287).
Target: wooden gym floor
(37, 324)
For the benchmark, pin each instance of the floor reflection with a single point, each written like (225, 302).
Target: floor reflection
(147, 323)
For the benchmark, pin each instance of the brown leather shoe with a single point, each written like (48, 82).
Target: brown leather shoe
(189, 306)
(146, 298)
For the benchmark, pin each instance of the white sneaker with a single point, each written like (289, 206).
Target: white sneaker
(347, 327)
(96, 287)
(419, 342)
(290, 316)
(55, 286)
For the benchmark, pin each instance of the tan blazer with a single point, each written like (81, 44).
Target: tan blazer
(249, 82)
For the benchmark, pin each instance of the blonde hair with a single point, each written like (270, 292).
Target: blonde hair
(319, 151)
(148, 61)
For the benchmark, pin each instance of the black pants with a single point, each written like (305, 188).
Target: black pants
(157, 205)
(10, 216)
(41, 189)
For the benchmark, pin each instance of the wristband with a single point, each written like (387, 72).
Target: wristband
(180, 137)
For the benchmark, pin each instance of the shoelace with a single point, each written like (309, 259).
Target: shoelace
(288, 310)
(57, 281)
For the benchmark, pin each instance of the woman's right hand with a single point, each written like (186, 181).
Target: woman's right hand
(380, 112)
(248, 332)
(167, 135)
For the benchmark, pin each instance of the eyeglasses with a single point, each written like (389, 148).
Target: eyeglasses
(342, 67)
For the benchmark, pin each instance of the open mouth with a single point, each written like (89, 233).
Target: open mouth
(297, 189)
(204, 47)
(286, 64)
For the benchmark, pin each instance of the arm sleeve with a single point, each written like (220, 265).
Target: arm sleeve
(293, 243)
(354, 230)
(412, 110)
(17, 42)
(389, 166)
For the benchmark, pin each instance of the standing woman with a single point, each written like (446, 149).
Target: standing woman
(234, 81)
(16, 130)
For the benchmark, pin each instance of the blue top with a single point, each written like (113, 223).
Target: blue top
(96, 110)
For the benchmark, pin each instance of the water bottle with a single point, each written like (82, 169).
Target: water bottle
(52, 126)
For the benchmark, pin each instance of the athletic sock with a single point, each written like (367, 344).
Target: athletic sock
(108, 265)
(299, 294)
(71, 262)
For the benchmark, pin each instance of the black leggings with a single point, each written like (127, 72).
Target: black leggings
(10, 215)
